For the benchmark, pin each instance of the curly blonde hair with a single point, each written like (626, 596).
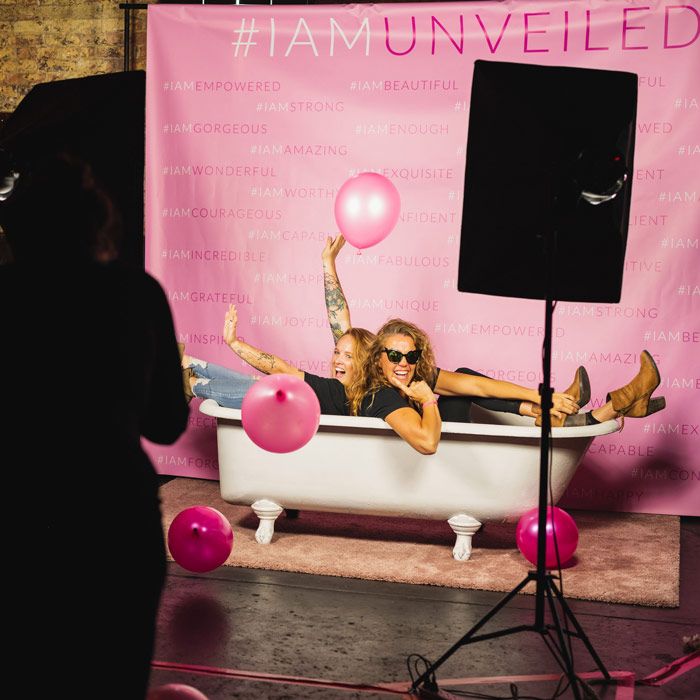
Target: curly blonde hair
(354, 390)
(426, 370)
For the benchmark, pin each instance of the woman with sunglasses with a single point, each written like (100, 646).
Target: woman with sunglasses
(402, 371)
(459, 389)
(457, 392)
(402, 378)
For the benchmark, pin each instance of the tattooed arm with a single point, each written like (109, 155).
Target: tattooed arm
(336, 305)
(262, 361)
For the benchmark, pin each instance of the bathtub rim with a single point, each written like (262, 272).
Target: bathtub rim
(209, 407)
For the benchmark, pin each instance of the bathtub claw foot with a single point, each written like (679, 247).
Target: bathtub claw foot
(267, 511)
(464, 526)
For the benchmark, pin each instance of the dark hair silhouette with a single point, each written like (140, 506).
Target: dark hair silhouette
(58, 211)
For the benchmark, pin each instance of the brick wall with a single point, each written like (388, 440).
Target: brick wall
(45, 40)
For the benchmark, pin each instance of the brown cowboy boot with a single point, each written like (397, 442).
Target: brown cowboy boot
(580, 389)
(634, 399)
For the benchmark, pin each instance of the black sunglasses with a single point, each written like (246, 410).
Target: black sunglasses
(412, 356)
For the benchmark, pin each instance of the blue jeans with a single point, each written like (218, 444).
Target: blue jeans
(225, 386)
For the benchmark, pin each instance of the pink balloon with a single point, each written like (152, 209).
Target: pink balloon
(175, 691)
(366, 209)
(200, 538)
(280, 413)
(559, 522)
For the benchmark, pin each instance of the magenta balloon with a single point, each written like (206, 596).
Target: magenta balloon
(366, 209)
(280, 413)
(559, 522)
(175, 691)
(200, 538)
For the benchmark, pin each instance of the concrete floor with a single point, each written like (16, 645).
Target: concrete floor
(355, 631)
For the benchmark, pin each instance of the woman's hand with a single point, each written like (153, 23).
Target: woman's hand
(564, 403)
(231, 325)
(418, 391)
(332, 248)
(537, 412)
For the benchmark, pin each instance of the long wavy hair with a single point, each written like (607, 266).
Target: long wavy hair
(426, 369)
(354, 390)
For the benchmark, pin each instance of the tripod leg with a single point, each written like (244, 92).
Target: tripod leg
(565, 658)
(466, 638)
(582, 635)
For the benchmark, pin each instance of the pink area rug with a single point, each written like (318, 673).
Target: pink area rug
(621, 557)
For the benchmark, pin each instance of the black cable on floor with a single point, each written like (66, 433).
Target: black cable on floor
(415, 661)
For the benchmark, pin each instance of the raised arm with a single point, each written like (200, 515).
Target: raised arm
(336, 305)
(456, 384)
(258, 359)
(421, 432)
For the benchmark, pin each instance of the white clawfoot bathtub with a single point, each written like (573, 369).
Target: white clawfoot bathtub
(359, 465)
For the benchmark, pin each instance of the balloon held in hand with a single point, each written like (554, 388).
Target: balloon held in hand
(280, 413)
(200, 538)
(367, 208)
(560, 524)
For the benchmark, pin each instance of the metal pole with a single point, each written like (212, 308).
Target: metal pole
(127, 37)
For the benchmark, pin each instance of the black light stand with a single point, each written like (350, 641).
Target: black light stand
(553, 219)
(547, 590)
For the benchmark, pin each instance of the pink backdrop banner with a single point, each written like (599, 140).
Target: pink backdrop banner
(256, 116)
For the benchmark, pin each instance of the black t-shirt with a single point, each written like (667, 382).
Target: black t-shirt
(383, 402)
(112, 324)
(330, 393)
(90, 364)
(386, 400)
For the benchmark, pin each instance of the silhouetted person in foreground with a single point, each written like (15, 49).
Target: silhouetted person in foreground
(90, 365)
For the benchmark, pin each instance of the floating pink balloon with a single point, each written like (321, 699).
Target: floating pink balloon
(280, 413)
(366, 209)
(559, 522)
(175, 691)
(200, 538)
